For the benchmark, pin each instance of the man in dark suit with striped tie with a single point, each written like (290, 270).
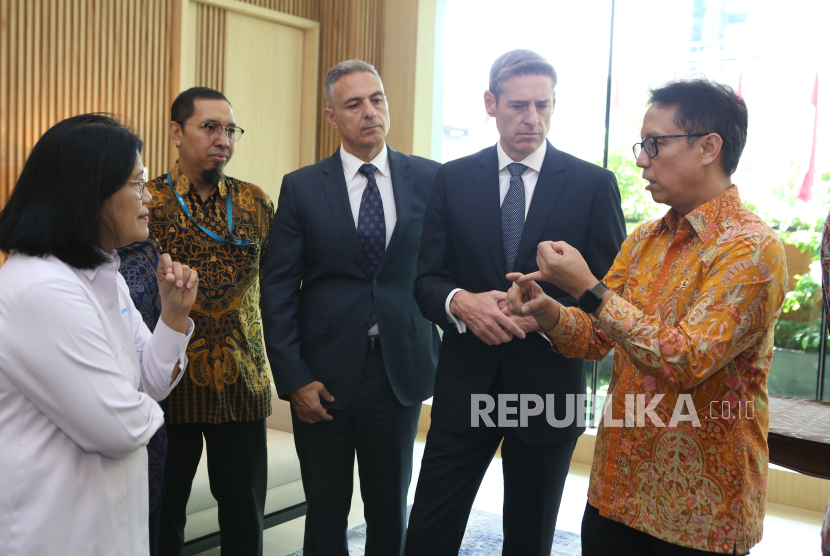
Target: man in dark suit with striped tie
(345, 338)
(487, 214)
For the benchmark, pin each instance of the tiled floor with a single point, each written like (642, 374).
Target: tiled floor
(788, 531)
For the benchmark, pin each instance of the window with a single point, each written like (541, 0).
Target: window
(774, 55)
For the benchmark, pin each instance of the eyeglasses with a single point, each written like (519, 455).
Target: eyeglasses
(140, 184)
(649, 144)
(213, 129)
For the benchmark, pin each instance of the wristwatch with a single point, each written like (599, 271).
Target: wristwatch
(591, 299)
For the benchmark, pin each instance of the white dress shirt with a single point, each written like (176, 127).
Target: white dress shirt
(79, 373)
(356, 183)
(533, 161)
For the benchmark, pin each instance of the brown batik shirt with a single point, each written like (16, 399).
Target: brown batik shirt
(227, 374)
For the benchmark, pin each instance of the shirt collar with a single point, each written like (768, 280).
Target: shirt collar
(707, 218)
(533, 161)
(351, 164)
(114, 262)
(183, 185)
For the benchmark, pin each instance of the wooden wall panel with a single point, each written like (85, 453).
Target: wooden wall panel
(59, 58)
(348, 29)
(210, 47)
(308, 9)
(266, 99)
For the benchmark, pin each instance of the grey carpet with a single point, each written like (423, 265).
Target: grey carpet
(483, 537)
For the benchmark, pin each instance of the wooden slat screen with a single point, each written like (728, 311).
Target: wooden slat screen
(59, 58)
(210, 47)
(348, 29)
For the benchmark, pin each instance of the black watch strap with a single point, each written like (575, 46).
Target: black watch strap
(591, 299)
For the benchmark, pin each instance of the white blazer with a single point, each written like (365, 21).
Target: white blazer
(79, 373)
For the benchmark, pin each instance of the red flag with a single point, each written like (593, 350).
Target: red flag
(805, 193)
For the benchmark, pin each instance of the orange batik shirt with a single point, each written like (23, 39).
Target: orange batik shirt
(695, 308)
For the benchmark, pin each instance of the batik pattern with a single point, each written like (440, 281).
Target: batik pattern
(694, 313)
(138, 267)
(227, 374)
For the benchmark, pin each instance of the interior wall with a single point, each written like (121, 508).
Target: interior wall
(267, 98)
(210, 47)
(348, 29)
(59, 58)
(308, 9)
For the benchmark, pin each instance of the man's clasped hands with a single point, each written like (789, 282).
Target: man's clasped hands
(496, 317)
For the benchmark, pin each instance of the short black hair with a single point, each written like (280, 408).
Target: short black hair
(705, 106)
(184, 105)
(55, 207)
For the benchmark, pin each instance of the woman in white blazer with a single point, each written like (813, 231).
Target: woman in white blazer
(80, 372)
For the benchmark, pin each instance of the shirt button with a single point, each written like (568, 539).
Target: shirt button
(110, 306)
(374, 283)
(363, 322)
(124, 350)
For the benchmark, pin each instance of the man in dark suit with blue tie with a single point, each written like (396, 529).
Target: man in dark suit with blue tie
(345, 338)
(487, 214)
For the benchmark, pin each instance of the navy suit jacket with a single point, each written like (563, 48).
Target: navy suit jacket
(461, 247)
(317, 287)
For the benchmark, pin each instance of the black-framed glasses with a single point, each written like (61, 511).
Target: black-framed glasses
(213, 129)
(649, 144)
(140, 184)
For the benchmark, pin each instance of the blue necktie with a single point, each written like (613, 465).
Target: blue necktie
(371, 226)
(513, 214)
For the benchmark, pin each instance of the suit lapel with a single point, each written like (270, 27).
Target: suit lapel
(486, 185)
(334, 186)
(402, 188)
(548, 189)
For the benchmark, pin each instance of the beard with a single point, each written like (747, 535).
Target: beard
(214, 175)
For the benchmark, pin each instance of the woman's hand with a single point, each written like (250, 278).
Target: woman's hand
(178, 285)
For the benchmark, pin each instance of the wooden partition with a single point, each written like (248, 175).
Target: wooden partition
(350, 29)
(266, 63)
(59, 58)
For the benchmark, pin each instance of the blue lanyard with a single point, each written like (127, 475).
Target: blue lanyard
(234, 240)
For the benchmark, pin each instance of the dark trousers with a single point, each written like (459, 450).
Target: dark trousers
(156, 458)
(381, 432)
(601, 536)
(237, 460)
(451, 473)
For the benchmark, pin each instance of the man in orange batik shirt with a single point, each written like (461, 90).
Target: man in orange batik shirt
(680, 465)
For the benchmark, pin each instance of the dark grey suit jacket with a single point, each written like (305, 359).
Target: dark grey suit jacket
(317, 287)
(574, 201)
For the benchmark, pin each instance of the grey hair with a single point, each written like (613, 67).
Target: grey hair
(518, 62)
(340, 70)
